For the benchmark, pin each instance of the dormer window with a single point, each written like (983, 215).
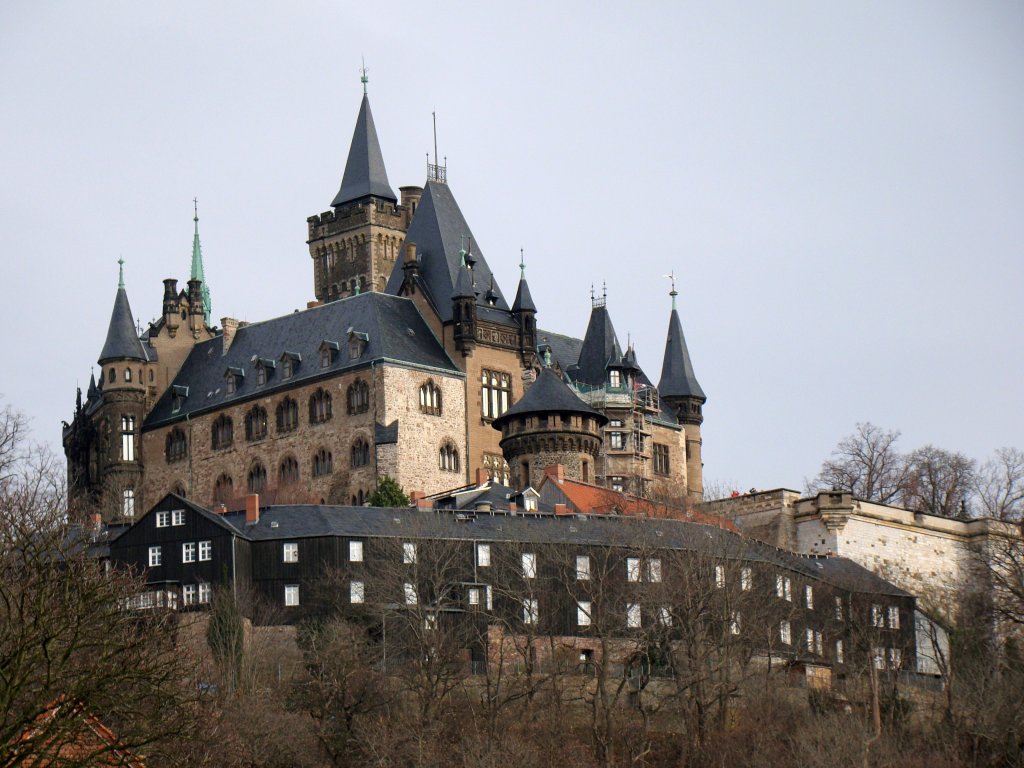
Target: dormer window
(289, 362)
(178, 396)
(357, 342)
(615, 378)
(232, 379)
(261, 375)
(327, 352)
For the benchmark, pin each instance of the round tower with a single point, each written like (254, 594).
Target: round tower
(550, 425)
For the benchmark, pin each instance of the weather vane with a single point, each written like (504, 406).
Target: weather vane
(363, 78)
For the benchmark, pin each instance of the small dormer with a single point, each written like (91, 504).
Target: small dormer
(233, 379)
(264, 370)
(179, 395)
(290, 362)
(357, 342)
(328, 353)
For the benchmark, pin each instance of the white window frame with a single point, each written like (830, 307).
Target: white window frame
(156, 556)
(895, 658)
(720, 576)
(809, 597)
(665, 616)
(410, 594)
(205, 551)
(839, 652)
(473, 596)
(163, 519)
(128, 502)
(893, 616)
(188, 594)
(746, 579)
(290, 552)
(529, 565)
(810, 640)
(291, 595)
(633, 569)
(355, 551)
(483, 555)
(582, 567)
(205, 593)
(583, 613)
(531, 610)
(839, 608)
(785, 632)
(654, 570)
(356, 592)
(735, 623)
(409, 552)
(188, 552)
(877, 616)
(634, 616)
(489, 597)
(177, 517)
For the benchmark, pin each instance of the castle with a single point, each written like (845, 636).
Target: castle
(409, 363)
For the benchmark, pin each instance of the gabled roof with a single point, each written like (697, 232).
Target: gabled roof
(549, 394)
(600, 348)
(396, 334)
(122, 342)
(365, 175)
(677, 377)
(440, 232)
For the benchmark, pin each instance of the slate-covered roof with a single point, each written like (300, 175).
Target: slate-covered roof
(122, 342)
(440, 232)
(549, 394)
(565, 350)
(396, 332)
(600, 349)
(677, 377)
(524, 301)
(364, 172)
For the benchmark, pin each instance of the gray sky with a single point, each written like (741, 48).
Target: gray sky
(838, 186)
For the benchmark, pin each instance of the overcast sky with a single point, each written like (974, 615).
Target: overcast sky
(838, 186)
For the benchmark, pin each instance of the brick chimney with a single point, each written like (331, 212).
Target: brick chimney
(481, 476)
(561, 509)
(228, 327)
(556, 472)
(252, 509)
(220, 509)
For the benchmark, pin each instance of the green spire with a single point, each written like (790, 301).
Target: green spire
(120, 273)
(197, 264)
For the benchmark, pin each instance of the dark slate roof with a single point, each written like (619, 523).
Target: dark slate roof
(440, 232)
(600, 349)
(364, 172)
(465, 286)
(524, 301)
(122, 341)
(396, 331)
(549, 394)
(564, 349)
(677, 377)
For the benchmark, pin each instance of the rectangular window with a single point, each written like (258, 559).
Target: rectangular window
(894, 617)
(408, 552)
(128, 503)
(632, 569)
(878, 657)
(839, 608)
(618, 441)
(839, 652)
(188, 552)
(291, 595)
(779, 587)
(614, 378)
(355, 551)
(188, 594)
(483, 555)
(785, 633)
(583, 613)
(582, 567)
(618, 484)
(163, 519)
(720, 576)
(205, 551)
(495, 393)
(474, 596)
(665, 617)
(489, 596)
(155, 556)
(178, 517)
(127, 438)
(810, 640)
(409, 591)
(654, 570)
(809, 596)
(356, 593)
(633, 619)
(529, 565)
(895, 658)
(877, 617)
(734, 623)
(290, 552)
(661, 466)
(746, 579)
(204, 593)
(531, 610)
(818, 644)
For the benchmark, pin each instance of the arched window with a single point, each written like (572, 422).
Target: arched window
(430, 399)
(358, 397)
(288, 472)
(150, 375)
(179, 489)
(223, 489)
(256, 423)
(128, 503)
(111, 375)
(323, 463)
(261, 375)
(176, 447)
(257, 478)
(127, 374)
(360, 453)
(448, 457)
(287, 415)
(319, 406)
(223, 432)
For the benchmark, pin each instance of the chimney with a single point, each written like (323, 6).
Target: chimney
(561, 509)
(220, 509)
(481, 476)
(252, 509)
(170, 295)
(195, 297)
(313, 304)
(556, 472)
(228, 327)
(512, 507)
(96, 521)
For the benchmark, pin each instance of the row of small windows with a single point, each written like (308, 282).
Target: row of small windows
(128, 375)
(289, 472)
(191, 552)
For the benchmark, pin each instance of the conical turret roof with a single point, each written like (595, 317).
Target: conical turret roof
(600, 348)
(677, 377)
(549, 394)
(524, 301)
(122, 341)
(365, 175)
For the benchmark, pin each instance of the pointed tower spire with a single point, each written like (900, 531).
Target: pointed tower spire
(524, 301)
(677, 377)
(122, 342)
(365, 175)
(197, 264)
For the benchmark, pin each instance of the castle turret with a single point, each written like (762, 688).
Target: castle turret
(680, 390)
(197, 269)
(525, 313)
(464, 308)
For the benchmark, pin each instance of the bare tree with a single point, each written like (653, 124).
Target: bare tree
(938, 481)
(865, 464)
(999, 485)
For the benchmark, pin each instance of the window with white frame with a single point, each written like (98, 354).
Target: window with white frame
(735, 623)
(784, 587)
(155, 556)
(178, 517)
(291, 595)
(720, 576)
(205, 592)
(128, 503)
(633, 618)
(529, 565)
(531, 610)
(483, 555)
(654, 570)
(839, 652)
(785, 633)
(894, 617)
(356, 592)
(430, 621)
(878, 657)
(127, 438)
(355, 552)
(409, 552)
(809, 596)
(188, 552)
(818, 643)
(895, 658)
(582, 567)
(188, 594)
(877, 616)
(474, 596)
(290, 552)
(839, 608)
(163, 519)
(632, 569)
(489, 597)
(409, 592)
(810, 640)
(665, 616)
(583, 613)
(205, 551)
(746, 579)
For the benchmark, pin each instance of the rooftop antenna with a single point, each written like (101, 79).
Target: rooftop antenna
(363, 78)
(673, 293)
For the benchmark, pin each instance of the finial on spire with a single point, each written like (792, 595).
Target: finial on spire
(522, 265)
(195, 209)
(592, 294)
(604, 290)
(673, 293)
(120, 272)
(363, 77)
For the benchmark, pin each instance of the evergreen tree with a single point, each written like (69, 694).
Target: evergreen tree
(388, 494)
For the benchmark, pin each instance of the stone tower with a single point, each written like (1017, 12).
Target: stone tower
(355, 245)
(680, 390)
(550, 425)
